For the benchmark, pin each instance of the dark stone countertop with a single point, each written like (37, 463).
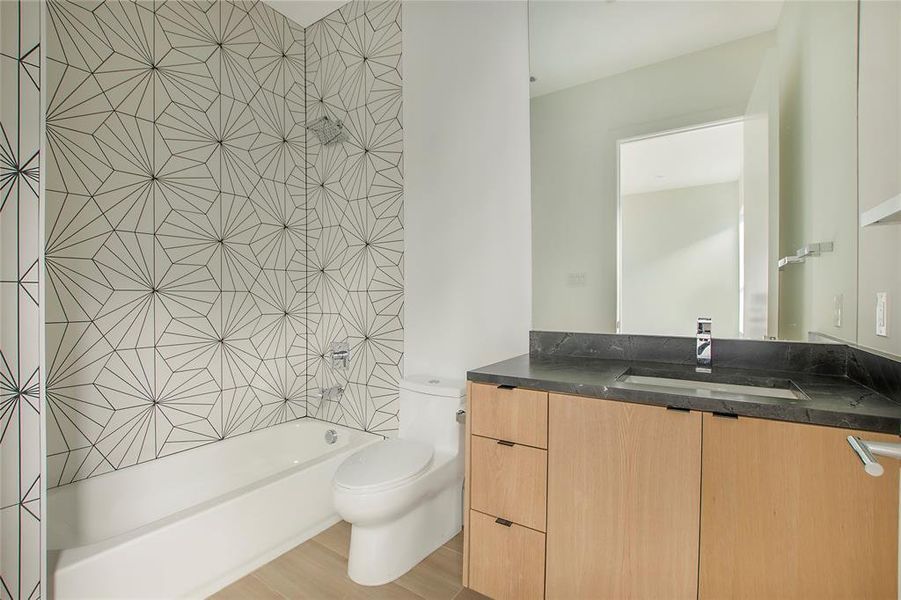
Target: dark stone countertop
(835, 401)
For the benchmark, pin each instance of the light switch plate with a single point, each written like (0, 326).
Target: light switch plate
(576, 279)
(838, 302)
(882, 314)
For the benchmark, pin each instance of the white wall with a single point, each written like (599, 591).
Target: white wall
(818, 154)
(880, 168)
(680, 260)
(467, 203)
(574, 168)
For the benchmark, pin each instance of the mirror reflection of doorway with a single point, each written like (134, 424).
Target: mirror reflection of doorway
(689, 211)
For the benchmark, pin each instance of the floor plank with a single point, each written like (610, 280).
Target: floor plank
(456, 543)
(317, 569)
(382, 592)
(248, 587)
(336, 538)
(308, 571)
(468, 594)
(438, 577)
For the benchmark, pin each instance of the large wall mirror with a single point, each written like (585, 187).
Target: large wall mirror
(698, 159)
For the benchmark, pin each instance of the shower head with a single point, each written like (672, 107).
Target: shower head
(328, 131)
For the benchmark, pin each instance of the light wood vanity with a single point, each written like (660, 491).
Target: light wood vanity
(571, 497)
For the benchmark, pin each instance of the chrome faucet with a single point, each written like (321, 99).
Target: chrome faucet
(340, 354)
(330, 394)
(704, 343)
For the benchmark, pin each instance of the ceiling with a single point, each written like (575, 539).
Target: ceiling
(684, 159)
(306, 12)
(576, 41)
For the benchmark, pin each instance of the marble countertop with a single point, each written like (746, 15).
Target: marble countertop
(830, 400)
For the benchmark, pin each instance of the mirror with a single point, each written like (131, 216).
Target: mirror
(695, 158)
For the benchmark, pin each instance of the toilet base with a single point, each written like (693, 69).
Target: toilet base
(381, 553)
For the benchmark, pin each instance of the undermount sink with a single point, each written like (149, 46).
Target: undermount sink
(784, 389)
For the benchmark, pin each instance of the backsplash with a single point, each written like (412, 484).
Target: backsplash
(875, 371)
(879, 373)
(199, 265)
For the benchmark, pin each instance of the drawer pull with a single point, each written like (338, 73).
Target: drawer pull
(505, 443)
(724, 415)
(678, 408)
(503, 522)
(506, 387)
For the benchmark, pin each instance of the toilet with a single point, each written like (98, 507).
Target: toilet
(404, 497)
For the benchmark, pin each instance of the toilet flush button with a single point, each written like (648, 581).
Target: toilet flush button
(434, 381)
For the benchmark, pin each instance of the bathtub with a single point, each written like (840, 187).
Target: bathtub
(189, 524)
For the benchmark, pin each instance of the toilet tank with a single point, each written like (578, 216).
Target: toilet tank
(428, 411)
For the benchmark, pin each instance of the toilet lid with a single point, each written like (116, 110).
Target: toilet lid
(384, 464)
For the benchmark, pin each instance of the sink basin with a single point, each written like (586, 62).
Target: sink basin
(713, 388)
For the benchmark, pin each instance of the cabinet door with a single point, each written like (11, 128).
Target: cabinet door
(624, 484)
(788, 512)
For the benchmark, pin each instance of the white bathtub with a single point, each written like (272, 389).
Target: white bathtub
(189, 524)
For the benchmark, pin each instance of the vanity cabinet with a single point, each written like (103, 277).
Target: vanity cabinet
(624, 486)
(788, 512)
(579, 497)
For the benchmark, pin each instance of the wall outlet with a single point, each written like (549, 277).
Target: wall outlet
(838, 302)
(882, 314)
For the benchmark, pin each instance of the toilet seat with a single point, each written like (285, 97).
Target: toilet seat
(384, 465)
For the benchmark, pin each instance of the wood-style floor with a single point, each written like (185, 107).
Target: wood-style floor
(318, 569)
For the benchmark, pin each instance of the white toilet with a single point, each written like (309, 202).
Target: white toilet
(404, 497)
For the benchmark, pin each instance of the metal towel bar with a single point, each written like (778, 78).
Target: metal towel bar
(866, 450)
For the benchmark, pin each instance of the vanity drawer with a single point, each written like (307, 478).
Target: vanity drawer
(505, 560)
(512, 414)
(509, 481)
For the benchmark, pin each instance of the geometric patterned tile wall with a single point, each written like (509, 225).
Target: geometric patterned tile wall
(175, 228)
(202, 251)
(355, 229)
(21, 458)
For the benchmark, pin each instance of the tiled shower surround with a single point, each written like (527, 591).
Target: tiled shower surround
(355, 228)
(203, 249)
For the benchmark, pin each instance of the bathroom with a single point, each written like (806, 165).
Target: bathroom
(450, 299)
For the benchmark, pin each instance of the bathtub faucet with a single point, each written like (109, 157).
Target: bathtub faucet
(333, 393)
